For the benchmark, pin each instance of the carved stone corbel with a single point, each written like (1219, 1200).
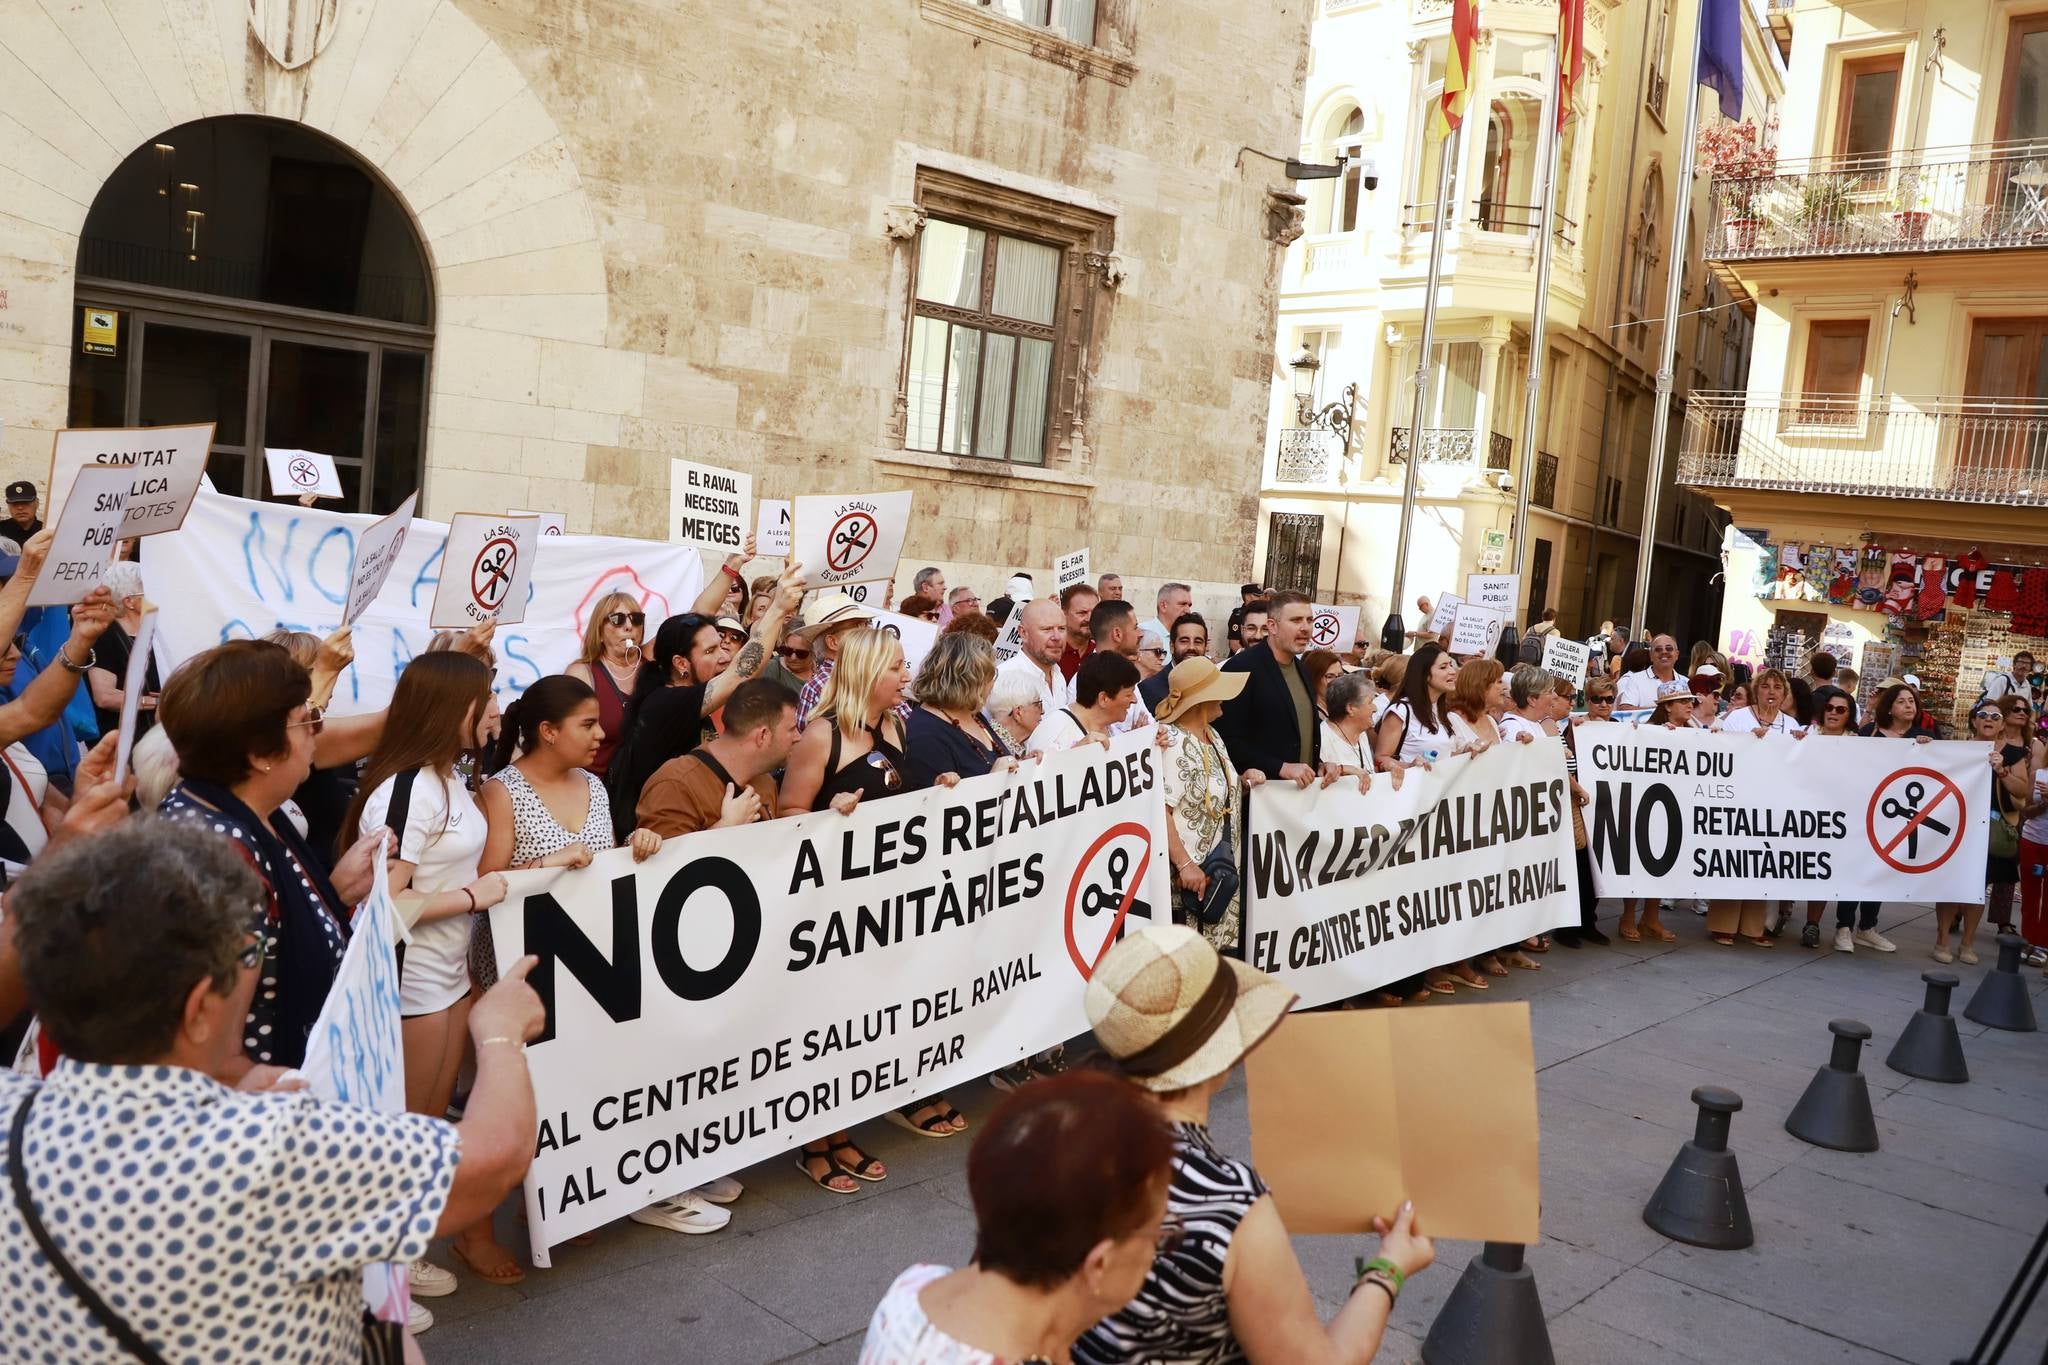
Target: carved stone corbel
(1110, 266)
(902, 222)
(1286, 215)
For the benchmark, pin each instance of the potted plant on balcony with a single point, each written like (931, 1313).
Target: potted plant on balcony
(1742, 158)
(1912, 202)
(1824, 204)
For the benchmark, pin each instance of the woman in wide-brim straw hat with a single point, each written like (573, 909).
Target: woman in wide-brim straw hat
(1176, 1019)
(1204, 794)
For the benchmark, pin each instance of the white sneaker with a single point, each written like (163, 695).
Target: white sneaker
(721, 1189)
(685, 1212)
(1870, 938)
(417, 1318)
(429, 1281)
(1845, 942)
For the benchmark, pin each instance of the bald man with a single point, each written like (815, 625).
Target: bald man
(1041, 635)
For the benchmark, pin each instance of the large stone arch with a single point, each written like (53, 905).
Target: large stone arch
(523, 382)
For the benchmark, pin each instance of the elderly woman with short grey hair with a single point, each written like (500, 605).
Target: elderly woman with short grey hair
(1529, 705)
(1349, 703)
(1014, 709)
(109, 672)
(136, 951)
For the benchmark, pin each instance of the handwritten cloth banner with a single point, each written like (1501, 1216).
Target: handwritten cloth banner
(239, 569)
(1696, 813)
(1348, 890)
(747, 990)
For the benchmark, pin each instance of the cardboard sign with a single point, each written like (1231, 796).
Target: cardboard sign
(709, 508)
(1446, 612)
(1387, 1127)
(1070, 569)
(771, 533)
(850, 538)
(485, 571)
(1475, 630)
(376, 551)
(1333, 628)
(295, 473)
(551, 523)
(868, 594)
(132, 684)
(1495, 592)
(84, 539)
(1010, 639)
(917, 637)
(165, 465)
(1566, 659)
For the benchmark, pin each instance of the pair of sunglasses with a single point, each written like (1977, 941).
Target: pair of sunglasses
(315, 717)
(787, 652)
(626, 618)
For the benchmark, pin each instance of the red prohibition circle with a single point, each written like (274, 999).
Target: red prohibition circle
(483, 578)
(303, 473)
(1945, 787)
(1128, 829)
(1324, 631)
(853, 526)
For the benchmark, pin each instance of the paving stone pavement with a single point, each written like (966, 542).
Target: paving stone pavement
(1897, 1255)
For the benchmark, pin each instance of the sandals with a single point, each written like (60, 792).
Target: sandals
(1725, 940)
(505, 1272)
(1440, 984)
(1660, 933)
(867, 1168)
(1538, 944)
(1522, 961)
(1628, 933)
(1759, 941)
(939, 1125)
(805, 1156)
(1473, 982)
(1490, 964)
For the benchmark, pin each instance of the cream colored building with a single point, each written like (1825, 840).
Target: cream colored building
(1000, 252)
(1896, 413)
(1353, 292)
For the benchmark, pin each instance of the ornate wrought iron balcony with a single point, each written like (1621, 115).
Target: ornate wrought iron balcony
(1544, 492)
(1920, 199)
(1452, 445)
(1308, 455)
(1979, 450)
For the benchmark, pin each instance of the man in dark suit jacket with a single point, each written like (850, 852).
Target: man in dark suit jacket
(1272, 725)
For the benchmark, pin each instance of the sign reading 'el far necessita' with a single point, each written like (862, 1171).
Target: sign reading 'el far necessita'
(709, 508)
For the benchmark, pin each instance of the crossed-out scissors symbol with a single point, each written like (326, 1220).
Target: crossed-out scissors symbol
(1097, 900)
(1909, 810)
(496, 574)
(850, 543)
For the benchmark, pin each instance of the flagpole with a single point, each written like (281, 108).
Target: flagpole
(1674, 284)
(1394, 636)
(1539, 320)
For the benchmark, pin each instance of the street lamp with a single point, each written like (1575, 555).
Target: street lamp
(1339, 416)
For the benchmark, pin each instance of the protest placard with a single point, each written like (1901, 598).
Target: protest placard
(709, 508)
(1348, 890)
(771, 537)
(1475, 630)
(84, 539)
(1446, 612)
(1501, 592)
(134, 682)
(301, 473)
(1068, 570)
(1334, 628)
(1742, 817)
(917, 637)
(1566, 659)
(551, 523)
(829, 968)
(1010, 638)
(376, 552)
(165, 465)
(485, 572)
(850, 538)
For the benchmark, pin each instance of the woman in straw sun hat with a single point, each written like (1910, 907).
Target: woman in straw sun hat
(1203, 791)
(1176, 1019)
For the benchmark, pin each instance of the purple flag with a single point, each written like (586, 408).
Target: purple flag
(1721, 52)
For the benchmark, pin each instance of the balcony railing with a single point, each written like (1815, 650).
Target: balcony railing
(1452, 445)
(1922, 199)
(1307, 455)
(1979, 450)
(1543, 492)
(1329, 257)
(1492, 217)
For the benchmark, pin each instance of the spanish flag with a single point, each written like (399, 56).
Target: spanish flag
(1458, 68)
(1571, 55)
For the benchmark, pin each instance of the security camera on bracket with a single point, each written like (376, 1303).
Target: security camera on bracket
(1368, 171)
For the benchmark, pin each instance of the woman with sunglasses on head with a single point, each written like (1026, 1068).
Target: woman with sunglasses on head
(610, 666)
(852, 751)
(1600, 694)
(2010, 732)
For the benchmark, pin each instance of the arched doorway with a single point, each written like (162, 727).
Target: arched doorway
(255, 274)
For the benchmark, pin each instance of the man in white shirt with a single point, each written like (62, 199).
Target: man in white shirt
(2002, 680)
(1639, 690)
(1041, 634)
(1175, 600)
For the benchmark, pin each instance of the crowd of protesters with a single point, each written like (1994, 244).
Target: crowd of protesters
(174, 935)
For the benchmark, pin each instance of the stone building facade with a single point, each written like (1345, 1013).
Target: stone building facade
(1006, 255)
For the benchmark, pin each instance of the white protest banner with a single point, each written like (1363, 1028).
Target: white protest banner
(486, 572)
(84, 538)
(1446, 612)
(1346, 891)
(1070, 569)
(1332, 627)
(709, 508)
(376, 554)
(551, 523)
(746, 990)
(354, 1054)
(1738, 817)
(1475, 630)
(850, 538)
(240, 568)
(771, 535)
(917, 637)
(134, 682)
(165, 465)
(297, 473)
(1566, 659)
(1501, 592)
(1010, 639)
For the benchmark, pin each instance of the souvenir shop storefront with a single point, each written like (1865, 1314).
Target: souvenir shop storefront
(1944, 611)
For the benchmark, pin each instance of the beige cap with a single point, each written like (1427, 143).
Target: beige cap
(1173, 1013)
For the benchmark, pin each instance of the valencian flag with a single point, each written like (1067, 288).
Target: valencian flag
(1571, 55)
(1457, 94)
